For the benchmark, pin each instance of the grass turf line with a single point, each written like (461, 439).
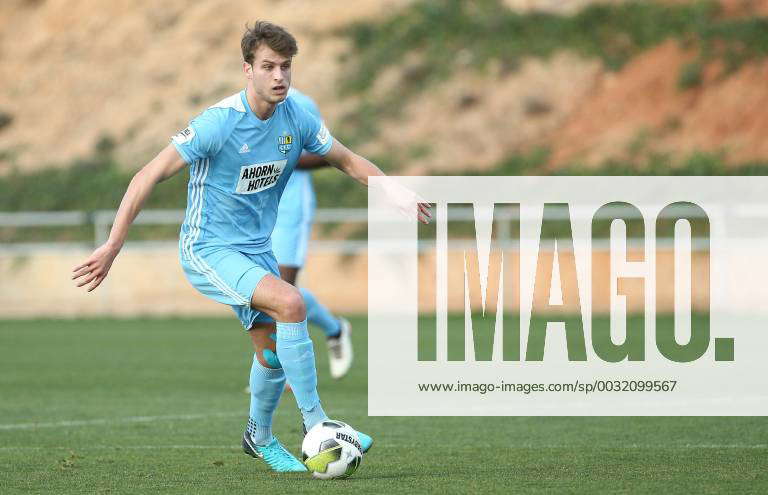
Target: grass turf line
(86, 379)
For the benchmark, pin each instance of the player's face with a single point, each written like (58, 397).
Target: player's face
(270, 75)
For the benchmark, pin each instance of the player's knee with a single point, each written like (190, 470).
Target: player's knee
(293, 308)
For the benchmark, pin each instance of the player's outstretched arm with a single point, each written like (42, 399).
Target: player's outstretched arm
(94, 269)
(360, 169)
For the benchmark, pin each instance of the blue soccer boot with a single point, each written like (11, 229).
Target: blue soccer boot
(274, 454)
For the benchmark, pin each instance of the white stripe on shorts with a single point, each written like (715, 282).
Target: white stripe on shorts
(196, 218)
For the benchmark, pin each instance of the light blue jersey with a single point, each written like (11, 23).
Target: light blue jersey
(239, 167)
(290, 237)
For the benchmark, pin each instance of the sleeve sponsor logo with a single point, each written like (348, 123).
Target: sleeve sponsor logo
(259, 176)
(184, 136)
(323, 134)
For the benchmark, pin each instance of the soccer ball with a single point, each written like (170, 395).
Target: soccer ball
(331, 449)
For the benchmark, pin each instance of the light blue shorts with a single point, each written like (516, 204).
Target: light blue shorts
(230, 277)
(289, 243)
(293, 226)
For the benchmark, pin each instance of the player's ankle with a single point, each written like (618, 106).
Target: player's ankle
(335, 334)
(259, 435)
(313, 416)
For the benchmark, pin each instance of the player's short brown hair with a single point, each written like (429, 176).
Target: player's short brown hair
(274, 36)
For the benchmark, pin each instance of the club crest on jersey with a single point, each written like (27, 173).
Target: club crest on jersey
(284, 143)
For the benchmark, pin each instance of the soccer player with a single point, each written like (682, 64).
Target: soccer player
(241, 152)
(289, 243)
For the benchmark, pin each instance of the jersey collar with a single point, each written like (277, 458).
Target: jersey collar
(252, 116)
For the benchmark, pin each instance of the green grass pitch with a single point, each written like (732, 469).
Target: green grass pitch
(157, 406)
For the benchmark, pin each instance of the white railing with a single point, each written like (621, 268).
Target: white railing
(101, 221)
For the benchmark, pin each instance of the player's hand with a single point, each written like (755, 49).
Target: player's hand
(406, 201)
(94, 270)
(425, 212)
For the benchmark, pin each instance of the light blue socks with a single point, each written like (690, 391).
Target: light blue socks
(297, 355)
(319, 314)
(266, 388)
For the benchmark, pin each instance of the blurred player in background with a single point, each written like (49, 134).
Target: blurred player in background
(241, 152)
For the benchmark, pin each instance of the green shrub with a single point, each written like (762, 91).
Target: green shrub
(454, 35)
(690, 75)
(484, 30)
(87, 184)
